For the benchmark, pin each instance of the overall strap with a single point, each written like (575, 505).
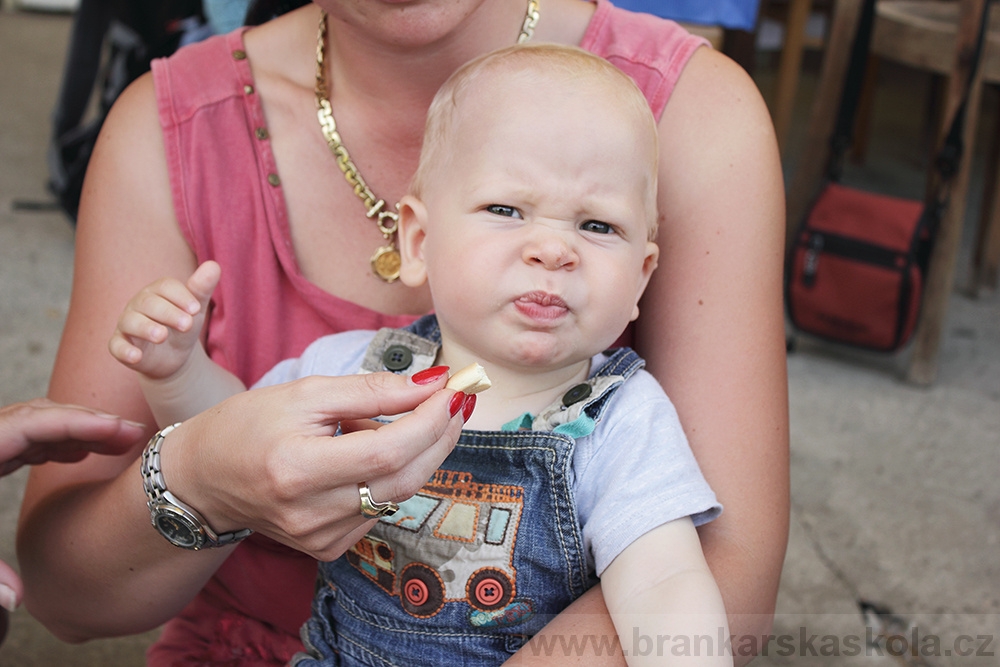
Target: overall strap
(574, 414)
(577, 412)
(407, 350)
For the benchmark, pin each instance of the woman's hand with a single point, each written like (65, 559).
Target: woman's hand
(274, 465)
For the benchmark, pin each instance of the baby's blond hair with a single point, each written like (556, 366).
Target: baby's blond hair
(538, 63)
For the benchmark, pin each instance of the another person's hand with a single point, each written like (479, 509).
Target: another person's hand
(160, 326)
(39, 431)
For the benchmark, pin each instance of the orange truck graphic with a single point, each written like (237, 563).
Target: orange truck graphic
(453, 541)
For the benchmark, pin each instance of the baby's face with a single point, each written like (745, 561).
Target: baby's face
(535, 239)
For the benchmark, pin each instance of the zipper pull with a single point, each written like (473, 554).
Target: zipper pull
(810, 264)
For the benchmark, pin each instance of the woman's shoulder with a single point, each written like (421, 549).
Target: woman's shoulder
(628, 33)
(715, 95)
(652, 50)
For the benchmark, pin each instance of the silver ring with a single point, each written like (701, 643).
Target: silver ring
(371, 509)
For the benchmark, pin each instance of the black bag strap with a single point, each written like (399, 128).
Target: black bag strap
(80, 74)
(843, 131)
(950, 155)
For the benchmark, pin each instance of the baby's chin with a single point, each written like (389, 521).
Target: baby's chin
(537, 352)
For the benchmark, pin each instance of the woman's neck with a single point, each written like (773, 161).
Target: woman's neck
(405, 54)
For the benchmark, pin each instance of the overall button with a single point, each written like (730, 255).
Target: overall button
(239, 54)
(274, 180)
(576, 394)
(248, 89)
(397, 358)
(261, 133)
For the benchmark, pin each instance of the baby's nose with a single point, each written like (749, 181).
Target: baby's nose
(550, 249)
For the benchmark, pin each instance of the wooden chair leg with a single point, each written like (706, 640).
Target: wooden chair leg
(789, 68)
(923, 364)
(812, 164)
(986, 252)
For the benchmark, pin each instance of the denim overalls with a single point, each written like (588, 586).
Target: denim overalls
(482, 557)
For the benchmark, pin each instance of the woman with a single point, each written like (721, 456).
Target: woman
(223, 158)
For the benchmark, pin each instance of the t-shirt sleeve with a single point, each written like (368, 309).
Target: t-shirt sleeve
(636, 472)
(337, 354)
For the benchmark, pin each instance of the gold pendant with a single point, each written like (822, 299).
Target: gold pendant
(385, 263)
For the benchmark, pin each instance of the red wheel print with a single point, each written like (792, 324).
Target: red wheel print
(489, 589)
(488, 592)
(416, 592)
(421, 590)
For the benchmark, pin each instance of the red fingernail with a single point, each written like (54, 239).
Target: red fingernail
(456, 403)
(429, 375)
(468, 407)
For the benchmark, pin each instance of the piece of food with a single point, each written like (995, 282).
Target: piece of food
(470, 380)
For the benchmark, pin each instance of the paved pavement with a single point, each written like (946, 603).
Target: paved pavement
(894, 491)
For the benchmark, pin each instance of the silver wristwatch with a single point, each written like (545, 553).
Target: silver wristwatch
(181, 524)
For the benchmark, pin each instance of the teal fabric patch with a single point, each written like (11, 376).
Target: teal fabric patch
(578, 428)
(522, 423)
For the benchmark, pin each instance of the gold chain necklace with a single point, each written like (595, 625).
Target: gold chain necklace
(385, 261)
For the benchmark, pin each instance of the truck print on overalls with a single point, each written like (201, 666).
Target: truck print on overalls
(451, 542)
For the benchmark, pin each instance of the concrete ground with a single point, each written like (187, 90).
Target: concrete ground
(894, 491)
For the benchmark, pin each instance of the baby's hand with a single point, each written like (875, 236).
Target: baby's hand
(160, 326)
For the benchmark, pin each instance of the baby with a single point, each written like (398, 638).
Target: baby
(531, 219)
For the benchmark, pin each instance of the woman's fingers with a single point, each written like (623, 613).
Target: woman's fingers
(414, 446)
(395, 460)
(365, 396)
(430, 426)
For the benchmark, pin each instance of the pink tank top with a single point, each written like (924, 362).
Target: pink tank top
(230, 207)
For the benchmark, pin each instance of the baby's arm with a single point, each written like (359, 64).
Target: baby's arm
(664, 602)
(158, 335)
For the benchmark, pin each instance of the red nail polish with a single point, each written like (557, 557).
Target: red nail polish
(468, 407)
(456, 402)
(429, 375)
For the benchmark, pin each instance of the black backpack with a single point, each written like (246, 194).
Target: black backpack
(111, 45)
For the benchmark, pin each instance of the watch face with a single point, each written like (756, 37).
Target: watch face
(177, 530)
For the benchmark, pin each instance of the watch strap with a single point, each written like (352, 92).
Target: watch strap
(158, 496)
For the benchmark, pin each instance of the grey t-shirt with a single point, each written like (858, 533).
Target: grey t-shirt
(632, 473)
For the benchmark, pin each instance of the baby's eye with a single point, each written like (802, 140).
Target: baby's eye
(597, 227)
(505, 211)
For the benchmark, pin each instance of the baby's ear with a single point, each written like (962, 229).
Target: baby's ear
(411, 235)
(649, 262)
